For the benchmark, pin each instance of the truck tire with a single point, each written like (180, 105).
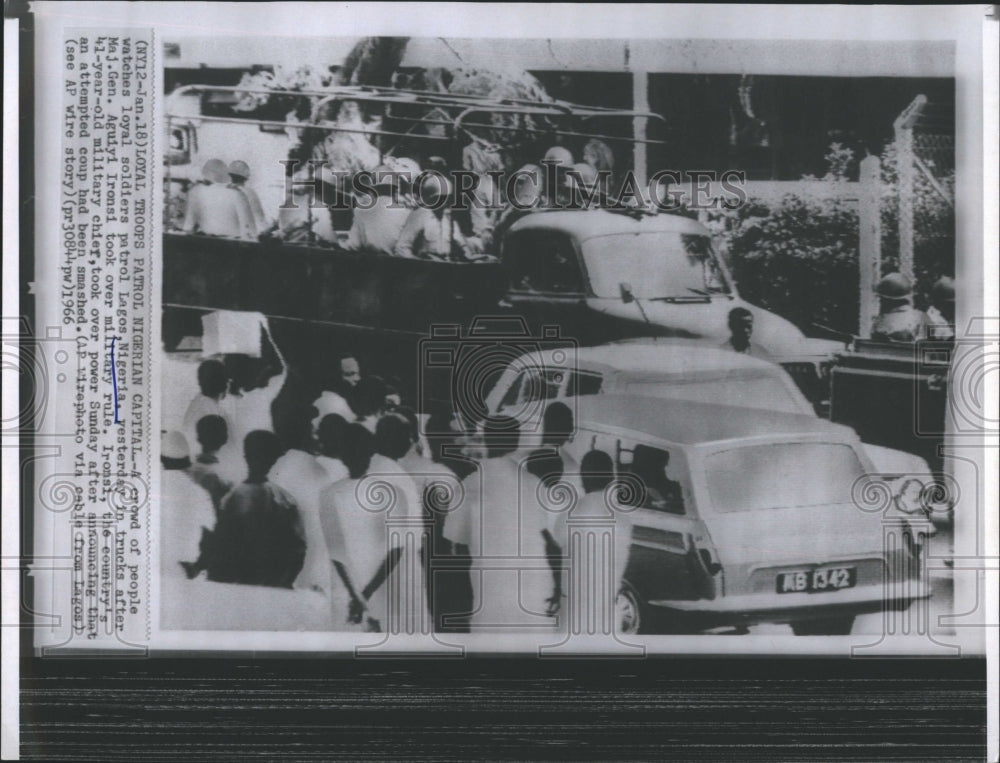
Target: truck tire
(832, 626)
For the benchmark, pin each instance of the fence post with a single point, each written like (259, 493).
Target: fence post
(904, 166)
(870, 242)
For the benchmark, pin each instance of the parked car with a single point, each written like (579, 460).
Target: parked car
(746, 516)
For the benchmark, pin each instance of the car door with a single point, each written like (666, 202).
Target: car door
(668, 558)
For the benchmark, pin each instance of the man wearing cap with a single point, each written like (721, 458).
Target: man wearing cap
(301, 218)
(430, 232)
(524, 195)
(558, 161)
(898, 320)
(378, 227)
(216, 209)
(582, 183)
(239, 173)
(941, 313)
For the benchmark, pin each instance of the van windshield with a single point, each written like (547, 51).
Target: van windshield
(657, 265)
(764, 392)
(782, 475)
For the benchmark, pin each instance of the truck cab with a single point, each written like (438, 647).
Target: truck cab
(618, 274)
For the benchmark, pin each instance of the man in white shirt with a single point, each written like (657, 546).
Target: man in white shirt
(302, 218)
(438, 486)
(214, 469)
(430, 232)
(369, 401)
(740, 330)
(213, 380)
(377, 227)
(215, 209)
(239, 173)
(185, 510)
(354, 514)
(598, 503)
(335, 400)
(330, 436)
(256, 383)
(392, 442)
(499, 523)
(300, 474)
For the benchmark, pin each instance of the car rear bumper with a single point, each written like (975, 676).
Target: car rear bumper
(748, 609)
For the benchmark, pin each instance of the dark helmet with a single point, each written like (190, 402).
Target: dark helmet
(894, 286)
(943, 290)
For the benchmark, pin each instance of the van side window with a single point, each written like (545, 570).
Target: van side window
(584, 383)
(179, 145)
(541, 385)
(659, 493)
(510, 396)
(543, 262)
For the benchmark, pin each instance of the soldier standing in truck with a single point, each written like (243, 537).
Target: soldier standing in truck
(898, 320)
(239, 173)
(216, 209)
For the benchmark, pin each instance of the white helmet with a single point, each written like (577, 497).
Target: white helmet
(559, 156)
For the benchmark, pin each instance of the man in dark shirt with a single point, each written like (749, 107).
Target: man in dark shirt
(259, 537)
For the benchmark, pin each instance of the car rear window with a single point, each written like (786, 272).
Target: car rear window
(782, 475)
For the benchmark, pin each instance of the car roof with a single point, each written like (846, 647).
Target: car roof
(688, 423)
(582, 224)
(651, 356)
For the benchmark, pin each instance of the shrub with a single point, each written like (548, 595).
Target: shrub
(798, 257)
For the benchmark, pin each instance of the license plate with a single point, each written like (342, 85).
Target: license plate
(814, 581)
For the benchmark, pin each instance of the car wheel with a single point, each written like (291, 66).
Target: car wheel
(833, 626)
(630, 613)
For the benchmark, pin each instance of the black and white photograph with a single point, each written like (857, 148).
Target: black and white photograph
(466, 336)
(478, 380)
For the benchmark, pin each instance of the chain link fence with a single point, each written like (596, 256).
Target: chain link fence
(919, 210)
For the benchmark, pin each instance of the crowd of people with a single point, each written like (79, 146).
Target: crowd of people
(414, 211)
(312, 497)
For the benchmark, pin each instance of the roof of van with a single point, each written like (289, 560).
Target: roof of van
(652, 356)
(588, 223)
(688, 423)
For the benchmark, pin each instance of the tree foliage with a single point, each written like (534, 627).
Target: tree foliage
(799, 256)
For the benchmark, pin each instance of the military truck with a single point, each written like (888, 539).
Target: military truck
(894, 394)
(599, 274)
